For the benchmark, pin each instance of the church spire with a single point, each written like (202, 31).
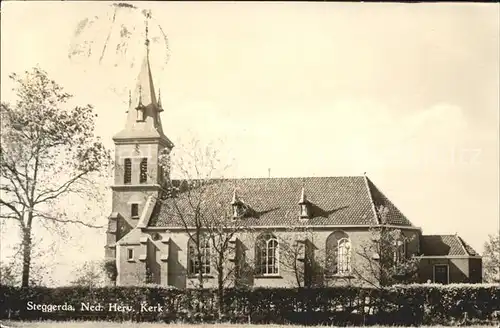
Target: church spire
(160, 108)
(143, 115)
(145, 92)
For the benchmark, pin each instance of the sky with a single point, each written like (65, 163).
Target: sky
(408, 93)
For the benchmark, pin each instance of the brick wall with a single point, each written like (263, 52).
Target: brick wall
(458, 269)
(174, 270)
(131, 272)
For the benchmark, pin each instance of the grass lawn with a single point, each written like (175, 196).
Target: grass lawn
(104, 324)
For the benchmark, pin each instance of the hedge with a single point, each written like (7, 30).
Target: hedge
(397, 305)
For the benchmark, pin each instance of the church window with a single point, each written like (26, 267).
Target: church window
(344, 257)
(127, 175)
(134, 210)
(130, 254)
(267, 255)
(194, 258)
(399, 250)
(338, 254)
(143, 170)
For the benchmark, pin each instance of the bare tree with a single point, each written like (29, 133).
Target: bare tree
(48, 152)
(491, 259)
(41, 265)
(384, 259)
(222, 231)
(299, 255)
(194, 198)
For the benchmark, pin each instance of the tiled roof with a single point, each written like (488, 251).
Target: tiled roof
(274, 202)
(468, 248)
(132, 237)
(443, 245)
(392, 214)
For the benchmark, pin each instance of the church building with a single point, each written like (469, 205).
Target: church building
(282, 232)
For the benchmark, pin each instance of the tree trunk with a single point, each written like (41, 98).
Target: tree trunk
(26, 257)
(200, 277)
(220, 287)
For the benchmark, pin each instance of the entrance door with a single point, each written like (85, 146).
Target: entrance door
(441, 273)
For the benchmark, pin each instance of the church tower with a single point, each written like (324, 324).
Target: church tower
(138, 174)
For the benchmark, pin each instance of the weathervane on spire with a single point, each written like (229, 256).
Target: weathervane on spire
(147, 14)
(129, 99)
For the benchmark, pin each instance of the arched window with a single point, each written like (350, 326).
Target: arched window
(338, 254)
(399, 253)
(197, 264)
(267, 255)
(344, 256)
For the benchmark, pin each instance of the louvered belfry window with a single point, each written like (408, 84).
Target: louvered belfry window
(144, 171)
(127, 175)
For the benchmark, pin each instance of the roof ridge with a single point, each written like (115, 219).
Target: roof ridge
(377, 219)
(271, 178)
(451, 235)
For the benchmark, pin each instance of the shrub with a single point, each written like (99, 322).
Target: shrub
(396, 305)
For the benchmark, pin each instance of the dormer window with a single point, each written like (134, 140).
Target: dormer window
(305, 206)
(239, 208)
(304, 211)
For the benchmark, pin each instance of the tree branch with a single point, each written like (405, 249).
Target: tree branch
(59, 191)
(44, 216)
(13, 208)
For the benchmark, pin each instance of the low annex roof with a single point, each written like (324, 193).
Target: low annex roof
(445, 245)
